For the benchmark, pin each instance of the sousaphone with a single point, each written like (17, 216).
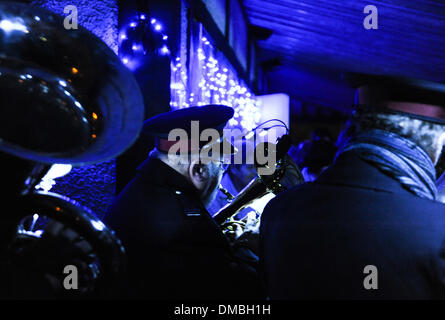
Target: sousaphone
(65, 98)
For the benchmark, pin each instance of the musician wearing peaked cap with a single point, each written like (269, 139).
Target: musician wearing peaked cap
(370, 227)
(175, 250)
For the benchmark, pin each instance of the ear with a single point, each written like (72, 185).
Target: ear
(442, 139)
(199, 174)
(440, 149)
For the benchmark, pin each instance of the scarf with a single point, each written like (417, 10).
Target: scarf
(397, 157)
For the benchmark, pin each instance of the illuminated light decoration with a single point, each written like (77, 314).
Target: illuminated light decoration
(177, 86)
(165, 50)
(263, 133)
(141, 36)
(217, 83)
(213, 81)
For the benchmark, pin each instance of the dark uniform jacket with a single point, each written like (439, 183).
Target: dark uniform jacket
(317, 238)
(175, 250)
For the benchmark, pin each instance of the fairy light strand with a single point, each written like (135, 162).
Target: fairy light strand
(215, 81)
(133, 40)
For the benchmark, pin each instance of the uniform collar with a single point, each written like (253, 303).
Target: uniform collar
(159, 173)
(350, 170)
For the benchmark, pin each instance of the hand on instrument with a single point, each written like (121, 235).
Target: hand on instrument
(233, 229)
(250, 237)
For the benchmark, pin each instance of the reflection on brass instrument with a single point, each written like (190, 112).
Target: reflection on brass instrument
(286, 175)
(65, 98)
(229, 196)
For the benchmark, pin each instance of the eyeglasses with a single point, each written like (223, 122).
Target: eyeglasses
(224, 166)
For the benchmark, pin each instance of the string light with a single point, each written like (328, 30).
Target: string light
(216, 81)
(165, 50)
(140, 37)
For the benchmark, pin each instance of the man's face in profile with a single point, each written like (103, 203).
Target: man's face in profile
(209, 192)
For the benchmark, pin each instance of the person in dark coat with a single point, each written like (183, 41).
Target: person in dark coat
(370, 227)
(175, 250)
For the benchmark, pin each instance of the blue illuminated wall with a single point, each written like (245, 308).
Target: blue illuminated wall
(92, 186)
(98, 16)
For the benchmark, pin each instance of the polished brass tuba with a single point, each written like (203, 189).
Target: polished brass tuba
(65, 98)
